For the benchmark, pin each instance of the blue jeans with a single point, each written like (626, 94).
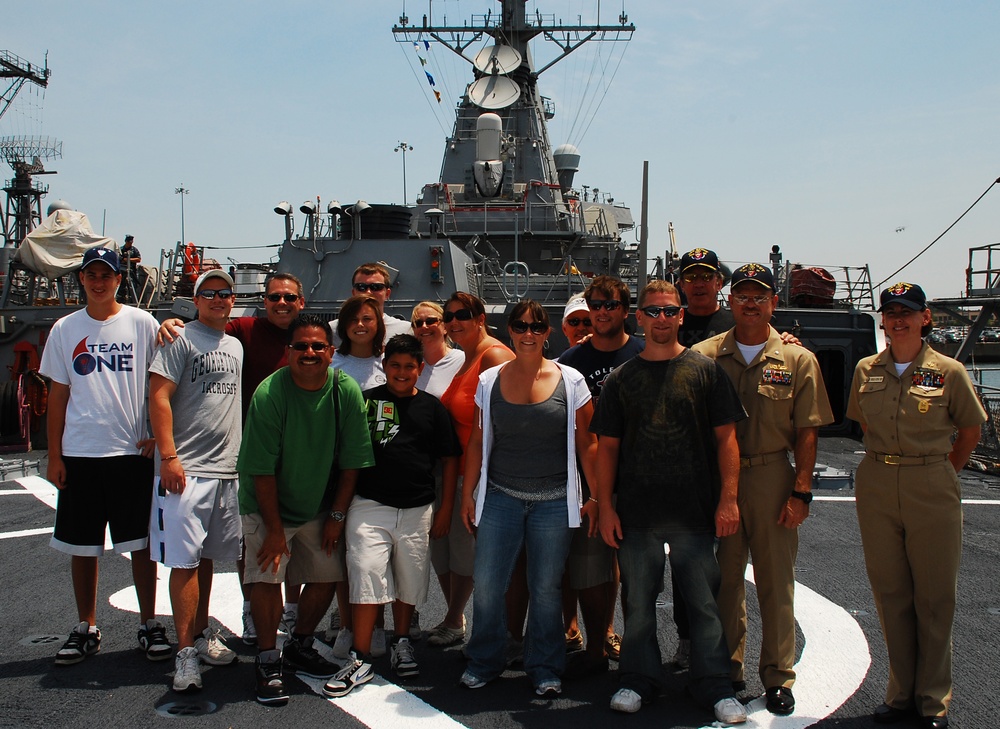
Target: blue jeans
(541, 527)
(692, 557)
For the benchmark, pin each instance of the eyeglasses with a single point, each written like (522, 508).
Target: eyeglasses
(428, 322)
(536, 327)
(703, 277)
(373, 287)
(306, 346)
(223, 294)
(654, 312)
(759, 299)
(289, 298)
(575, 322)
(461, 315)
(609, 305)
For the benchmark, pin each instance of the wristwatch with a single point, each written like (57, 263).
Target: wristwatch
(337, 515)
(805, 496)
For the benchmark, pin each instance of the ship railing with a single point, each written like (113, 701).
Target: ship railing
(986, 456)
(811, 286)
(985, 273)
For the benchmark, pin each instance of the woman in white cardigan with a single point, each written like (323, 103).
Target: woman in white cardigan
(522, 489)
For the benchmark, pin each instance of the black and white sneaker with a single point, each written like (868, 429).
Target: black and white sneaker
(81, 643)
(355, 673)
(300, 657)
(402, 659)
(153, 641)
(270, 683)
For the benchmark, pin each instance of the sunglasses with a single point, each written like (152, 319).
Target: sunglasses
(654, 312)
(536, 327)
(306, 346)
(575, 322)
(609, 305)
(703, 277)
(374, 287)
(461, 315)
(428, 322)
(759, 299)
(222, 294)
(289, 298)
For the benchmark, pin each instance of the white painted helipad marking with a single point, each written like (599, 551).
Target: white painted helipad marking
(965, 502)
(26, 533)
(41, 489)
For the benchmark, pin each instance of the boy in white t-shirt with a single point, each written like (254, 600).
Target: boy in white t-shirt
(99, 449)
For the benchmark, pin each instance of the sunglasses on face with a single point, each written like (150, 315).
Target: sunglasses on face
(609, 305)
(222, 294)
(703, 277)
(654, 312)
(461, 315)
(306, 346)
(536, 327)
(575, 322)
(428, 322)
(289, 298)
(759, 299)
(374, 287)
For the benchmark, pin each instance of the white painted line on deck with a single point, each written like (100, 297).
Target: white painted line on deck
(26, 533)
(41, 489)
(965, 502)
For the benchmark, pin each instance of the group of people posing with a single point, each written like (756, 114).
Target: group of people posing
(347, 459)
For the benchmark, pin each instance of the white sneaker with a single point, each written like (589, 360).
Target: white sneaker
(730, 711)
(628, 701)
(682, 657)
(345, 641)
(187, 676)
(378, 643)
(212, 650)
(249, 630)
(403, 661)
(288, 618)
(354, 674)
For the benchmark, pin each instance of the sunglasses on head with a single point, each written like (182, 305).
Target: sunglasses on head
(305, 346)
(222, 294)
(536, 327)
(461, 315)
(428, 322)
(610, 304)
(668, 312)
(575, 322)
(366, 287)
(289, 298)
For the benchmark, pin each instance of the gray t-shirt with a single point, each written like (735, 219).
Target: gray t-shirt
(205, 364)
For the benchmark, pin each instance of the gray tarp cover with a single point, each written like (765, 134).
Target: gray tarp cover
(56, 247)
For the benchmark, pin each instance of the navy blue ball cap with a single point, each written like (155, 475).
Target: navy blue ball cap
(700, 257)
(100, 255)
(906, 294)
(755, 273)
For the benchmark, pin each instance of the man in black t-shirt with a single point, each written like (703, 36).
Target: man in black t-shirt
(700, 281)
(666, 423)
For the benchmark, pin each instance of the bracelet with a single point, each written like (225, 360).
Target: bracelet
(167, 458)
(591, 498)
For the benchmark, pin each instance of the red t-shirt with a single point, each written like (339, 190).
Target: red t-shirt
(265, 349)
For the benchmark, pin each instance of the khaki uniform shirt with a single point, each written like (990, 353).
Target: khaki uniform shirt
(916, 414)
(782, 389)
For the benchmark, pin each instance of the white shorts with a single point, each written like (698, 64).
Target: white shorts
(201, 522)
(388, 552)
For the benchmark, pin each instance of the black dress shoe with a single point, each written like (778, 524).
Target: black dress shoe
(934, 722)
(780, 700)
(886, 714)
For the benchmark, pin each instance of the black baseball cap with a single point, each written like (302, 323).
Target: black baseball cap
(700, 257)
(909, 295)
(754, 272)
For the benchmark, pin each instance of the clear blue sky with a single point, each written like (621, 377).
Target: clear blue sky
(818, 126)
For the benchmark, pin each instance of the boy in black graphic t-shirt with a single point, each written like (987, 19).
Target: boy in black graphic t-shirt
(389, 523)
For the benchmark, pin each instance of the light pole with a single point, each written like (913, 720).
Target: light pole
(404, 148)
(182, 191)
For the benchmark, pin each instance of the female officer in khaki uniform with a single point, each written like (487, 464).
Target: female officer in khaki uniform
(910, 401)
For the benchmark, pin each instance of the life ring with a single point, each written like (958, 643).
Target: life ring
(192, 263)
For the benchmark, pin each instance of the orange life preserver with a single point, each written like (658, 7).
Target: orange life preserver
(192, 263)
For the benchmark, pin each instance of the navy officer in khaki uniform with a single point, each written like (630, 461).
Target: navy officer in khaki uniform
(911, 402)
(782, 389)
